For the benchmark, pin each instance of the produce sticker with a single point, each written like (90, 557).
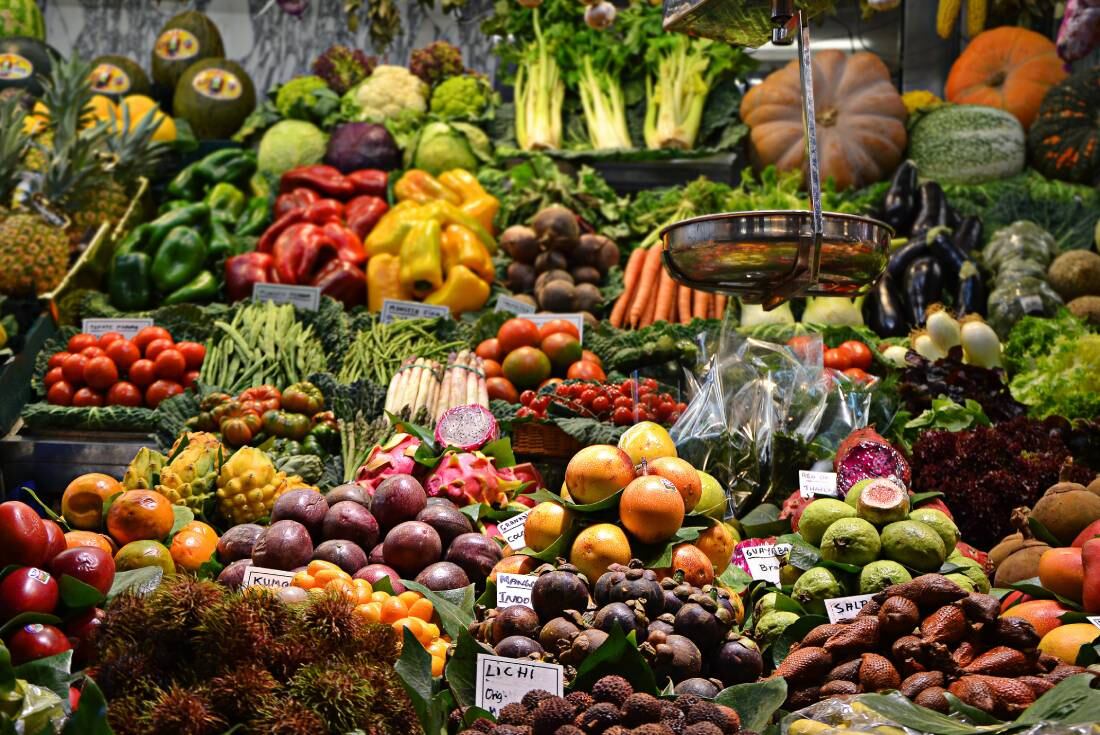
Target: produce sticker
(764, 561)
(512, 530)
(502, 681)
(576, 320)
(396, 309)
(128, 328)
(514, 589)
(816, 483)
(515, 306)
(304, 297)
(1094, 619)
(842, 608)
(264, 577)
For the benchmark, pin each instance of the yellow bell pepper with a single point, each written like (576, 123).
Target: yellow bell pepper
(448, 214)
(389, 233)
(461, 246)
(384, 281)
(422, 188)
(422, 258)
(476, 202)
(463, 291)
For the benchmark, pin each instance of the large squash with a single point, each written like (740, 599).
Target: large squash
(860, 119)
(1065, 137)
(1009, 68)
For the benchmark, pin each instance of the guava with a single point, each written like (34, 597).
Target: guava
(913, 544)
(772, 625)
(882, 502)
(789, 574)
(821, 514)
(764, 605)
(814, 587)
(938, 521)
(851, 541)
(973, 570)
(852, 498)
(878, 575)
(963, 581)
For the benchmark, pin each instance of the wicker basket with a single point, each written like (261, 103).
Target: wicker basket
(543, 440)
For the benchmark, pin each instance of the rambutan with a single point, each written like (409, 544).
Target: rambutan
(334, 692)
(238, 694)
(282, 716)
(182, 711)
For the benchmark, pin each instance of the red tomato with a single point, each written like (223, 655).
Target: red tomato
(107, 338)
(160, 390)
(73, 368)
(156, 347)
(79, 341)
(581, 370)
(60, 394)
(861, 353)
(124, 394)
(93, 352)
(169, 364)
(859, 375)
(53, 375)
(87, 397)
(558, 325)
(100, 373)
(124, 352)
(590, 356)
(148, 334)
(489, 349)
(800, 345)
(838, 359)
(57, 358)
(142, 373)
(193, 352)
(190, 377)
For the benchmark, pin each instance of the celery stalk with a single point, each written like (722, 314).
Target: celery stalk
(540, 92)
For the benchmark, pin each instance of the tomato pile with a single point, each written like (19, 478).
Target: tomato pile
(606, 401)
(296, 418)
(524, 356)
(853, 358)
(114, 371)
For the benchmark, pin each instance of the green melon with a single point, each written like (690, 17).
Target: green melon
(967, 144)
(24, 62)
(214, 96)
(118, 76)
(21, 18)
(185, 39)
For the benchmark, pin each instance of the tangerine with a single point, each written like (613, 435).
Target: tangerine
(598, 547)
(82, 501)
(681, 474)
(717, 542)
(393, 610)
(697, 568)
(76, 539)
(651, 509)
(516, 333)
(1062, 572)
(145, 553)
(1044, 615)
(597, 472)
(646, 440)
(515, 564)
(545, 524)
(138, 515)
(526, 367)
(193, 546)
(1065, 641)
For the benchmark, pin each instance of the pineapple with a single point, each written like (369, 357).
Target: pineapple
(134, 154)
(12, 147)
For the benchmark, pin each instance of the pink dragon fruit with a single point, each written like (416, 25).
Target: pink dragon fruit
(392, 457)
(865, 454)
(466, 427)
(739, 551)
(471, 477)
(793, 507)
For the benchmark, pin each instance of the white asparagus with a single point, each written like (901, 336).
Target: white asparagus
(433, 391)
(458, 382)
(417, 380)
(391, 391)
(427, 379)
(401, 377)
(444, 388)
(409, 393)
(482, 387)
(475, 368)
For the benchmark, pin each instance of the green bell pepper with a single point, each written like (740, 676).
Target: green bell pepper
(260, 186)
(179, 258)
(312, 445)
(130, 281)
(134, 240)
(228, 165)
(187, 184)
(172, 205)
(255, 218)
(189, 216)
(222, 243)
(201, 288)
(226, 202)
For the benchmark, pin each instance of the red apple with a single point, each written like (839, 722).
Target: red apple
(28, 589)
(35, 641)
(23, 538)
(90, 564)
(81, 631)
(55, 539)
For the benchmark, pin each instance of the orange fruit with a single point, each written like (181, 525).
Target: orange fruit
(437, 665)
(1062, 572)
(516, 333)
(137, 554)
(75, 539)
(717, 543)
(598, 472)
(82, 501)
(393, 610)
(646, 440)
(515, 564)
(1065, 641)
(193, 546)
(681, 474)
(139, 514)
(598, 547)
(651, 509)
(422, 609)
(697, 568)
(1044, 615)
(558, 326)
(546, 522)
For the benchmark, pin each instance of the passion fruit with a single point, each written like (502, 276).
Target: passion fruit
(443, 575)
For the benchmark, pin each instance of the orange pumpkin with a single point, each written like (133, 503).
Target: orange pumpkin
(1009, 68)
(860, 119)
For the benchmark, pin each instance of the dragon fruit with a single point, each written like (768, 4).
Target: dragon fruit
(865, 454)
(793, 507)
(392, 457)
(471, 477)
(739, 551)
(466, 427)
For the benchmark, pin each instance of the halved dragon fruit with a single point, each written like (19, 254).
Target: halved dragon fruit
(471, 477)
(865, 454)
(793, 507)
(392, 457)
(739, 550)
(466, 427)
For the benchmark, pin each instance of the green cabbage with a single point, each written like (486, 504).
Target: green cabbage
(289, 144)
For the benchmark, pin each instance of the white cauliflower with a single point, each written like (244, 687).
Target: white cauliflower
(387, 92)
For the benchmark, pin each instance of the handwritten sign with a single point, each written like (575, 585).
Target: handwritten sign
(1094, 619)
(816, 483)
(396, 309)
(502, 681)
(264, 577)
(128, 328)
(764, 561)
(576, 319)
(514, 589)
(515, 306)
(304, 297)
(842, 608)
(512, 530)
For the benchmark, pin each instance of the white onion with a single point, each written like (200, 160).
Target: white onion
(981, 346)
(942, 327)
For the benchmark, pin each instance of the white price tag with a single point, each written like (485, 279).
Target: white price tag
(514, 589)
(576, 319)
(264, 577)
(1094, 619)
(764, 561)
(512, 531)
(304, 297)
(515, 306)
(126, 327)
(397, 309)
(1032, 304)
(842, 608)
(816, 483)
(502, 681)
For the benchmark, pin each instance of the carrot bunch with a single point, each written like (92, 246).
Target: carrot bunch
(650, 295)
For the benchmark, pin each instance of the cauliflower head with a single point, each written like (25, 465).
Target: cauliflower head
(388, 92)
(466, 97)
(298, 91)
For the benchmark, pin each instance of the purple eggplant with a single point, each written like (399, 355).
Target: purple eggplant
(970, 295)
(950, 257)
(930, 213)
(883, 309)
(900, 206)
(922, 287)
(901, 258)
(968, 235)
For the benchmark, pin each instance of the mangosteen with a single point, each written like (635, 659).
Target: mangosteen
(476, 554)
(626, 584)
(517, 646)
(350, 492)
(308, 507)
(558, 634)
(662, 626)
(443, 575)
(700, 687)
(558, 590)
(622, 615)
(677, 658)
(347, 555)
(584, 643)
(515, 620)
(699, 624)
(738, 661)
(448, 521)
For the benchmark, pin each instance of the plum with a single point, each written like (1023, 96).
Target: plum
(233, 575)
(397, 499)
(308, 507)
(374, 572)
(411, 546)
(351, 492)
(237, 542)
(350, 521)
(376, 555)
(345, 554)
(443, 575)
(449, 522)
(476, 554)
(284, 545)
(89, 564)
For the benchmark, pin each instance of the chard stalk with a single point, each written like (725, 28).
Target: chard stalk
(604, 110)
(674, 103)
(540, 92)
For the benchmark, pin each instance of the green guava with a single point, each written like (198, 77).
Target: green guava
(851, 541)
(814, 587)
(821, 514)
(788, 574)
(883, 501)
(764, 605)
(770, 626)
(973, 570)
(852, 498)
(940, 523)
(878, 575)
(913, 544)
(963, 581)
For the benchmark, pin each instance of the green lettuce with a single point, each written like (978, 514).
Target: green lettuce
(1065, 382)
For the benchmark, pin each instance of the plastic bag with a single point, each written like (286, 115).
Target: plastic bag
(1012, 301)
(1021, 239)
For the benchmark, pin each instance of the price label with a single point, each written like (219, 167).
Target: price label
(512, 530)
(1094, 619)
(1032, 304)
(396, 309)
(576, 319)
(764, 561)
(126, 327)
(816, 483)
(264, 577)
(304, 297)
(842, 608)
(502, 681)
(514, 589)
(515, 306)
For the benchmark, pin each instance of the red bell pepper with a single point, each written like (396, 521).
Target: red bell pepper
(319, 212)
(343, 281)
(325, 210)
(242, 272)
(369, 182)
(300, 198)
(363, 213)
(301, 252)
(323, 179)
(348, 245)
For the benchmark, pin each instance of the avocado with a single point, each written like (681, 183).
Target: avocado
(214, 96)
(185, 39)
(119, 76)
